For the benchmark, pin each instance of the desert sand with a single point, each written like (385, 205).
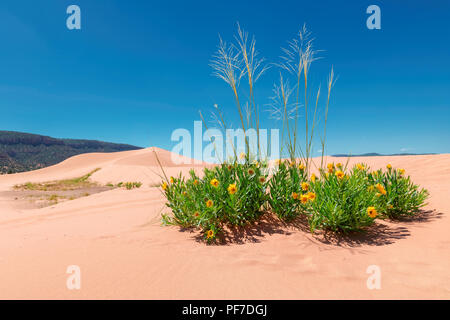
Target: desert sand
(123, 252)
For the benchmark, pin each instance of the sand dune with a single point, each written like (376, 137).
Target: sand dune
(115, 237)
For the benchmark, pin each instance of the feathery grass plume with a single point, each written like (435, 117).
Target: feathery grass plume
(296, 60)
(330, 83)
(227, 65)
(281, 108)
(233, 62)
(254, 67)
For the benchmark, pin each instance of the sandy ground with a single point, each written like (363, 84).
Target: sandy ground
(123, 252)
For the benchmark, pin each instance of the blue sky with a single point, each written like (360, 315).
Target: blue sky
(138, 70)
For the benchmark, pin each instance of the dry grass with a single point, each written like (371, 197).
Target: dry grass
(60, 185)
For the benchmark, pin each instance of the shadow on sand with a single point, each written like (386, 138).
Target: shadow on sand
(384, 232)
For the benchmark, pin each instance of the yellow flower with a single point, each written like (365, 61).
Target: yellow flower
(232, 189)
(311, 196)
(360, 166)
(380, 189)
(330, 167)
(292, 164)
(304, 198)
(375, 173)
(401, 171)
(313, 177)
(164, 186)
(262, 179)
(251, 171)
(378, 194)
(305, 186)
(209, 203)
(209, 234)
(372, 212)
(339, 165)
(340, 174)
(215, 183)
(294, 195)
(301, 166)
(242, 155)
(327, 175)
(172, 180)
(389, 166)
(195, 182)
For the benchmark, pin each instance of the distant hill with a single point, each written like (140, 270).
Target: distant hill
(24, 151)
(374, 154)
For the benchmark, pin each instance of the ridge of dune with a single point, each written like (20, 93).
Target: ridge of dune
(123, 252)
(134, 165)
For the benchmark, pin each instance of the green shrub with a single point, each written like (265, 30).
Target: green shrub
(343, 201)
(286, 186)
(396, 194)
(232, 194)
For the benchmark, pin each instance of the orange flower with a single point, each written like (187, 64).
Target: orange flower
(340, 174)
(164, 186)
(294, 195)
(232, 189)
(330, 167)
(301, 166)
(380, 189)
(311, 196)
(304, 198)
(196, 214)
(292, 164)
(372, 212)
(214, 183)
(209, 203)
(195, 182)
(305, 186)
(172, 180)
(251, 171)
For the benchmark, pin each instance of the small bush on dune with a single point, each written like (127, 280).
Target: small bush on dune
(343, 201)
(230, 194)
(288, 190)
(397, 195)
(339, 199)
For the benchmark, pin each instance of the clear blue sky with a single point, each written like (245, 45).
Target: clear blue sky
(137, 70)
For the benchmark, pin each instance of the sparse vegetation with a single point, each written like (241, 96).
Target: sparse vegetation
(129, 185)
(60, 185)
